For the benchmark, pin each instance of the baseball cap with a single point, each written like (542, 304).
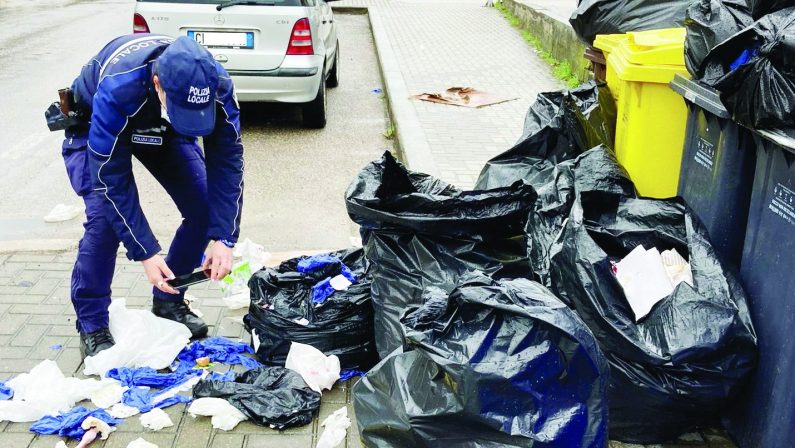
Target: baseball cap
(188, 74)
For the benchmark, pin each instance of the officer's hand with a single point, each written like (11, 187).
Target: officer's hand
(158, 272)
(218, 260)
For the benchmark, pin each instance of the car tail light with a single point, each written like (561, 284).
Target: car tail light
(301, 39)
(139, 24)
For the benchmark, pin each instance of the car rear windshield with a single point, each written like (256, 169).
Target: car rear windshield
(217, 2)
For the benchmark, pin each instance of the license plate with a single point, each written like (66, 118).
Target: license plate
(215, 39)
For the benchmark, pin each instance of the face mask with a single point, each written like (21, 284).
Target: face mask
(163, 113)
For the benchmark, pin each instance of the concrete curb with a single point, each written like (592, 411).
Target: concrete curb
(40, 245)
(413, 145)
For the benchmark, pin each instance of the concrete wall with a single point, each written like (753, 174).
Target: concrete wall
(556, 37)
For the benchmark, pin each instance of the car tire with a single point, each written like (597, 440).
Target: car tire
(333, 79)
(314, 112)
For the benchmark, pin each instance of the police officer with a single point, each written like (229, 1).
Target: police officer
(150, 96)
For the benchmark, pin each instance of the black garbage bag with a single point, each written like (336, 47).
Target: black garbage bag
(559, 126)
(282, 311)
(269, 396)
(760, 8)
(755, 72)
(418, 231)
(708, 23)
(497, 364)
(594, 17)
(678, 367)
(594, 170)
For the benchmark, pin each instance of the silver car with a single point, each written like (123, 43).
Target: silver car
(275, 50)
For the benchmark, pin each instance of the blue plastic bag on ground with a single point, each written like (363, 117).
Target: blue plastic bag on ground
(143, 399)
(6, 393)
(68, 423)
(149, 377)
(219, 349)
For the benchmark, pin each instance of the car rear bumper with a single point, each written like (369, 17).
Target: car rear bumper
(296, 81)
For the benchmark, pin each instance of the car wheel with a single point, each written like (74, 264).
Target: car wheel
(333, 79)
(314, 112)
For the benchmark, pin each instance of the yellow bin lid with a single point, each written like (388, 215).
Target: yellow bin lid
(650, 56)
(608, 42)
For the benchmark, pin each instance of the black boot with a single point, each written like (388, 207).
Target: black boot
(178, 311)
(95, 342)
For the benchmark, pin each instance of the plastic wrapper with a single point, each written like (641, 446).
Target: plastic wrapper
(594, 17)
(269, 396)
(678, 367)
(282, 312)
(760, 8)
(754, 71)
(494, 364)
(708, 23)
(595, 170)
(318, 370)
(419, 231)
(559, 126)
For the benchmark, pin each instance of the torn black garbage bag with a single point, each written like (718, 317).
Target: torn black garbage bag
(269, 396)
(419, 231)
(755, 72)
(760, 8)
(594, 170)
(594, 17)
(559, 126)
(495, 364)
(708, 23)
(282, 312)
(677, 368)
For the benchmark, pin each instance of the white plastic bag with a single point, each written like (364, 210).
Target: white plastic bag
(63, 212)
(109, 394)
(253, 253)
(224, 416)
(142, 340)
(156, 419)
(141, 443)
(44, 391)
(121, 410)
(336, 428)
(318, 370)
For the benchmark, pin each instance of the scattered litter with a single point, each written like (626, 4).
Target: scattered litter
(345, 375)
(61, 444)
(203, 362)
(253, 253)
(121, 410)
(229, 375)
(149, 377)
(340, 283)
(5, 392)
(221, 350)
(224, 416)
(318, 370)
(142, 340)
(141, 443)
(156, 419)
(235, 286)
(336, 428)
(56, 347)
(145, 400)
(282, 310)
(63, 212)
(647, 279)
(75, 422)
(44, 391)
(464, 97)
(170, 397)
(377, 91)
(108, 395)
(270, 396)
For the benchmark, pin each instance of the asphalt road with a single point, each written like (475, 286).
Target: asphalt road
(295, 178)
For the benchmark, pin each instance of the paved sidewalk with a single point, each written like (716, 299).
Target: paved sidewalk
(430, 45)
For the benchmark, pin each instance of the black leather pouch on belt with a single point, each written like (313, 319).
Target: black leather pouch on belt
(61, 114)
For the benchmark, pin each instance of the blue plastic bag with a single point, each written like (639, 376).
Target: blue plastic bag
(143, 399)
(218, 376)
(68, 423)
(149, 377)
(6, 393)
(219, 349)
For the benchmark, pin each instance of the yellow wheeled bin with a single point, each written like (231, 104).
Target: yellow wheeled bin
(608, 44)
(650, 128)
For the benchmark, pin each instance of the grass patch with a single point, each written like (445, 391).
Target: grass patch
(389, 134)
(560, 69)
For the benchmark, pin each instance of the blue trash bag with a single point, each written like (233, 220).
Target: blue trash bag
(68, 423)
(496, 363)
